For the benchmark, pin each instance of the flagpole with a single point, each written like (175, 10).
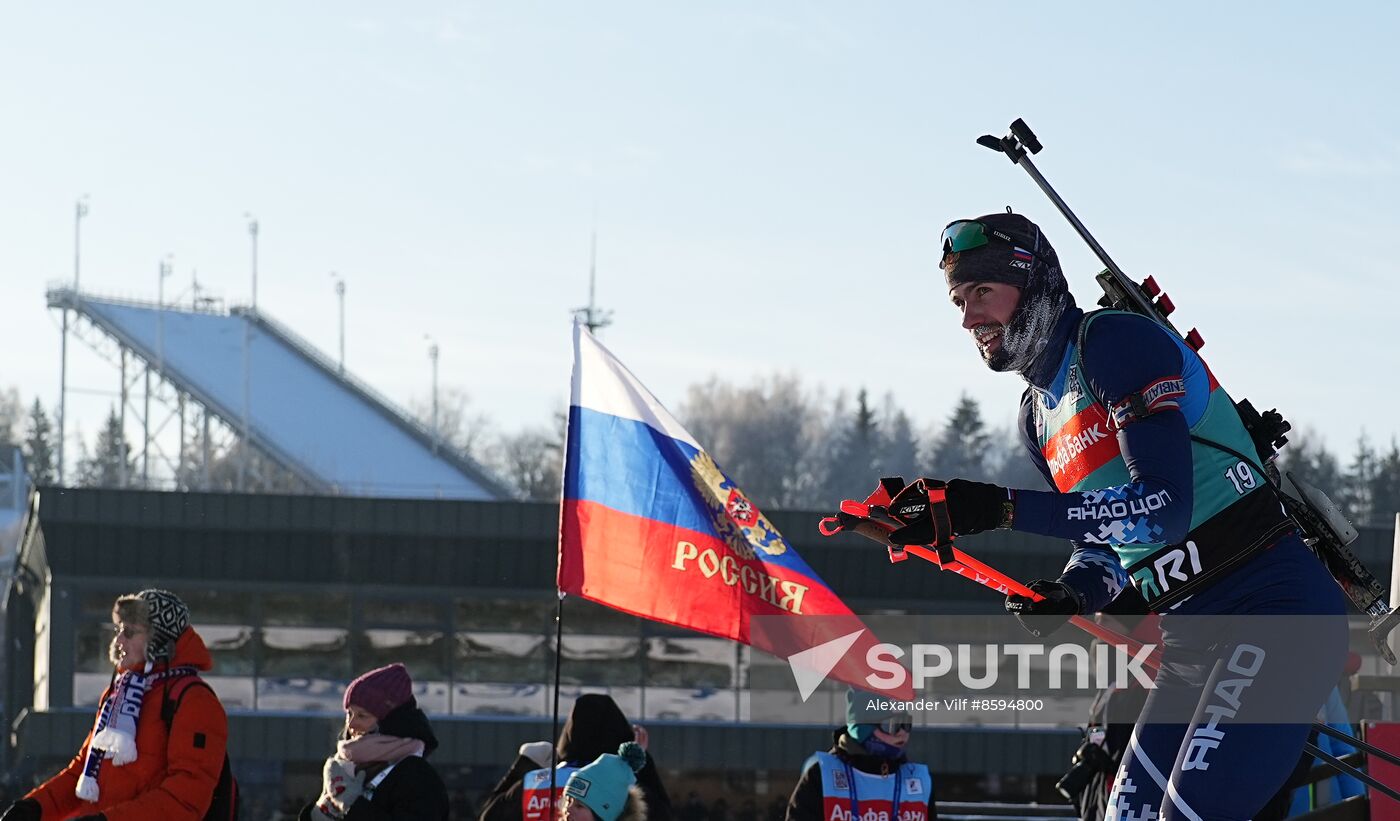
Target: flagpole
(558, 584)
(558, 664)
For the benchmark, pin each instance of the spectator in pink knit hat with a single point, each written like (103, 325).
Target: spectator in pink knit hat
(380, 767)
(380, 692)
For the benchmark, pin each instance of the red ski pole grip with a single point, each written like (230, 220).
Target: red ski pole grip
(855, 508)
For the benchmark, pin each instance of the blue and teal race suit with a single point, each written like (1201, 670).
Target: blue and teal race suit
(1157, 486)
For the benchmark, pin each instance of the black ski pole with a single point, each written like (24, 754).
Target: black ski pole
(1322, 771)
(1347, 738)
(1347, 769)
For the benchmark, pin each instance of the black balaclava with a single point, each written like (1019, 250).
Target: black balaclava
(1044, 293)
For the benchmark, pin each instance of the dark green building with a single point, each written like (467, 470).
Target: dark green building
(295, 595)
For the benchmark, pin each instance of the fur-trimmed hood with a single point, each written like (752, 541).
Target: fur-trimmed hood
(636, 807)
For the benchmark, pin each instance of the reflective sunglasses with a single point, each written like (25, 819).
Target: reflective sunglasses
(964, 235)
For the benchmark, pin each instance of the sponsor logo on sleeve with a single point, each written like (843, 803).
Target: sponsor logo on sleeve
(1163, 394)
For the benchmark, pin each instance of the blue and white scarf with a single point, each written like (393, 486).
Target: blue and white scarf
(114, 735)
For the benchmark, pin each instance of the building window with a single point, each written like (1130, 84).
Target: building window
(290, 651)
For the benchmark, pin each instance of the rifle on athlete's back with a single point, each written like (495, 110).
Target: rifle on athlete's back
(1324, 527)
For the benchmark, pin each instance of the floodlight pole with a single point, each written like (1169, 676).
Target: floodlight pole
(164, 270)
(80, 210)
(433, 356)
(340, 296)
(247, 361)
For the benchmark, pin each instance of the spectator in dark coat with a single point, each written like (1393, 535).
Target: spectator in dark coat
(596, 726)
(380, 768)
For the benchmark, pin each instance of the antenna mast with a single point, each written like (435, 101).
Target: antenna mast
(593, 316)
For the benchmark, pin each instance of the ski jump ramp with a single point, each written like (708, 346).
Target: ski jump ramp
(332, 431)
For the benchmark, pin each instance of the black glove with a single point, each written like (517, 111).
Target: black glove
(25, 809)
(978, 506)
(923, 521)
(1048, 614)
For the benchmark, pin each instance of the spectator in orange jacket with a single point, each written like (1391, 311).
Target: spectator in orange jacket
(131, 767)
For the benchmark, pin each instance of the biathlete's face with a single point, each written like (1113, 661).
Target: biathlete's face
(987, 308)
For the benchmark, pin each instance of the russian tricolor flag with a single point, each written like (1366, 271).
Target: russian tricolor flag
(651, 526)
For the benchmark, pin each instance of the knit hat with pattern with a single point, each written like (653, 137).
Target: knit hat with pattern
(168, 617)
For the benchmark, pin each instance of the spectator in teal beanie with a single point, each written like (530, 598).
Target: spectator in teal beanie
(606, 790)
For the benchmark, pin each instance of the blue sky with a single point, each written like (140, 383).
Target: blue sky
(768, 181)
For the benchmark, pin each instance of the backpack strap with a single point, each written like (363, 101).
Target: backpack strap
(175, 694)
(171, 698)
